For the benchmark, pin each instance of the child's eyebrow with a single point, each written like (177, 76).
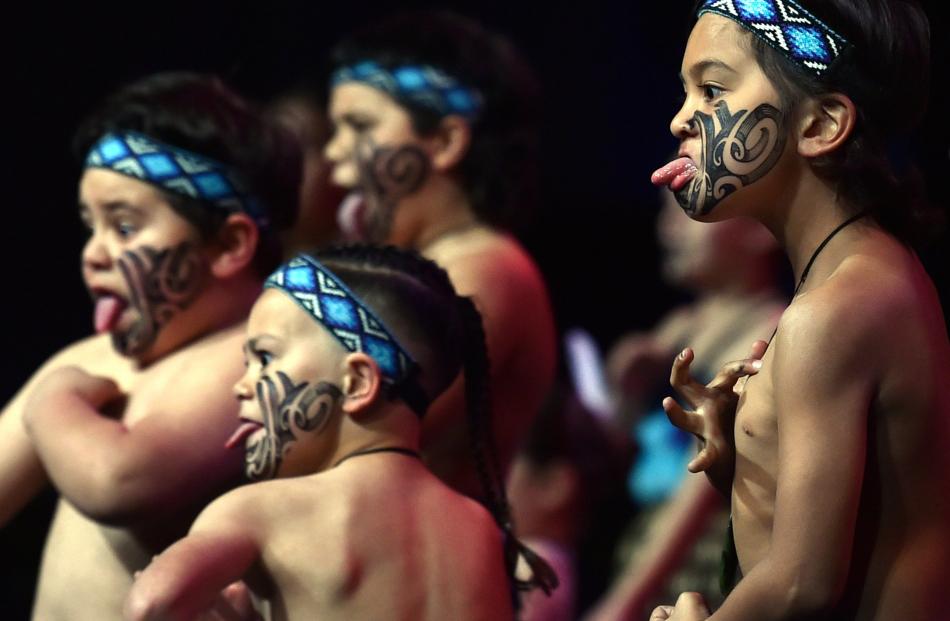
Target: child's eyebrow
(704, 65)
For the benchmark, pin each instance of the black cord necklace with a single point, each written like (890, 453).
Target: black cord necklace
(380, 449)
(814, 255)
(821, 246)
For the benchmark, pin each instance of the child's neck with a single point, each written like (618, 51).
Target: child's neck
(220, 307)
(804, 220)
(392, 428)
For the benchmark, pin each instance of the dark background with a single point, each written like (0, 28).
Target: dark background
(609, 70)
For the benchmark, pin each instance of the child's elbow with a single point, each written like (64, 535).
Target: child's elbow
(118, 494)
(813, 596)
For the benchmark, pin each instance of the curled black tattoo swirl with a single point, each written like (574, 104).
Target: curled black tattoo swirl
(287, 407)
(161, 283)
(387, 175)
(737, 150)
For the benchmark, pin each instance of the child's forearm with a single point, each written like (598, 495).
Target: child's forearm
(187, 579)
(768, 594)
(80, 450)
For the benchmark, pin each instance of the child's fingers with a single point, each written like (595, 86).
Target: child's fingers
(693, 605)
(730, 372)
(704, 459)
(661, 613)
(758, 350)
(682, 382)
(687, 421)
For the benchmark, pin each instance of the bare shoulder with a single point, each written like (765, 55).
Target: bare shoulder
(484, 259)
(199, 373)
(862, 314)
(91, 353)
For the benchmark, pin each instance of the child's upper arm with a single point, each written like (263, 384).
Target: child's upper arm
(825, 370)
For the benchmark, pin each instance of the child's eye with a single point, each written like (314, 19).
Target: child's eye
(125, 229)
(711, 93)
(265, 358)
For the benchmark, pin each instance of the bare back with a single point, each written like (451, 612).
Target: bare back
(178, 413)
(511, 296)
(843, 441)
(378, 537)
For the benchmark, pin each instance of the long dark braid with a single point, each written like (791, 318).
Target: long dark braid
(475, 365)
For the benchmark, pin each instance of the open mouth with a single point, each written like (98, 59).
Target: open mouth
(242, 433)
(109, 307)
(676, 174)
(351, 216)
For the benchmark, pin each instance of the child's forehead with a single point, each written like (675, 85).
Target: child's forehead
(99, 187)
(275, 313)
(715, 39)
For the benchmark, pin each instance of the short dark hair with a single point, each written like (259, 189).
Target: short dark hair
(885, 71)
(418, 302)
(499, 172)
(200, 113)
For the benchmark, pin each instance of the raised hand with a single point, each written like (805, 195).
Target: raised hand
(713, 408)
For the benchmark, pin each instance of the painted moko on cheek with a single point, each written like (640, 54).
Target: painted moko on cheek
(161, 284)
(736, 151)
(288, 409)
(387, 175)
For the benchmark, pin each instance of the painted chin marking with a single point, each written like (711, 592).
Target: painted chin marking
(737, 150)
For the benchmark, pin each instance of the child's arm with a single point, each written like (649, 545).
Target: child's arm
(171, 458)
(826, 363)
(22, 476)
(188, 578)
(21, 472)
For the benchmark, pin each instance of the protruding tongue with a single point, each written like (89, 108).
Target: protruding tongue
(676, 174)
(350, 216)
(108, 309)
(246, 429)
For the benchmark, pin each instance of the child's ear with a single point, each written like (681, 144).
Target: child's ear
(362, 383)
(235, 245)
(825, 124)
(450, 143)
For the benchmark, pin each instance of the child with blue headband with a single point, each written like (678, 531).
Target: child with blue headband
(184, 192)
(434, 139)
(345, 351)
(832, 440)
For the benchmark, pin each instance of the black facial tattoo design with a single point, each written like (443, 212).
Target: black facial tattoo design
(387, 175)
(737, 150)
(286, 406)
(161, 283)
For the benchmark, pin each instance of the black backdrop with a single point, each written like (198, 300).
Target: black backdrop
(609, 70)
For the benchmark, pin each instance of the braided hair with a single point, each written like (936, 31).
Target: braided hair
(415, 297)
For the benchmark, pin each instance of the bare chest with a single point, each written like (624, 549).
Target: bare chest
(86, 566)
(754, 481)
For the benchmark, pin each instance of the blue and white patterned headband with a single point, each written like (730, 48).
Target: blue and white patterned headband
(176, 170)
(420, 84)
(786, 26)
(324, 296)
